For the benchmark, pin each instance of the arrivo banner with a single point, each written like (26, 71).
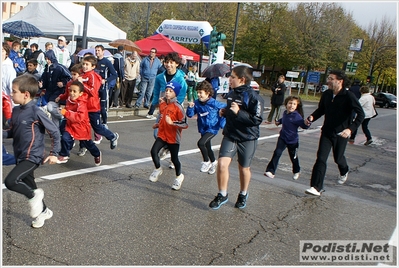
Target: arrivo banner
(186, 32)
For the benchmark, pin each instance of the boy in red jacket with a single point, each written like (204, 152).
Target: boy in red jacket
(77, 124)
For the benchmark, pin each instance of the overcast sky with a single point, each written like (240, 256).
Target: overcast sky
(366, 12)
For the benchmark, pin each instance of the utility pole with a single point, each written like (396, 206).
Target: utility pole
(85, 22)
(148, 17)
(235, 36)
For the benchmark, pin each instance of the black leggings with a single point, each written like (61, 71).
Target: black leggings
(204, 144)
(174, 154)
(22, 180)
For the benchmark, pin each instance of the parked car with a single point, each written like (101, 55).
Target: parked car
(386, 100)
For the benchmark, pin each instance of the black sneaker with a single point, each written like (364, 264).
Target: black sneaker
(241, 201)
(114, 142)
(219, 201)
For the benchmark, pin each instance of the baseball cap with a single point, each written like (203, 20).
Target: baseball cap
(62, 38)
(175, 86)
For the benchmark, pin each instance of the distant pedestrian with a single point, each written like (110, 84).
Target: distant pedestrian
(131, 73)
(28, 130)
(277, 99)
(8, 72)
(367, 101)
(171, 123)
(292, 119)
(148, 71)
(209, 122)
(62, 53)
(337, 106)
(119, 66)
(192, 80)
(244, 114)
(38, 55)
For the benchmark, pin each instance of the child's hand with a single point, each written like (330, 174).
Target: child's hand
(51, 159)
(234, 107)
(221, 112)
(63, 111)
(57, 99)
(168, 120)
(276, 122)
(161, 100)
(80, 79)
(60, 84)
(308, 120)
(156, 125)
(191, 104)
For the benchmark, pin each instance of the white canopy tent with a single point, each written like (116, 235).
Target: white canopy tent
(67, 19)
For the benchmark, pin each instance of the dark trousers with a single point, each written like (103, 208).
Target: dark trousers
(174, 154)
(274, 109)
(103, 93)
(365, 128)
(129, 86)
(338, 145)
(204, 144)
(67, 145)
(292, 152)
(98, 127)
(21, 179)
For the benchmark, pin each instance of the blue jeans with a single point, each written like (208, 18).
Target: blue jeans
(146, 87)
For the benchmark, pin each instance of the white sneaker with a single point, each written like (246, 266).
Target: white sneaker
(177, 183)
(296, 176)
(214, 165)
(39, 221)
(163, 153)
(206, 166)
(99, 141)
(150, 116)
(82, 151)
(155, 174)
(171, 165)
(342, 179)
(36, 203)
(269, 174)
(312, 191)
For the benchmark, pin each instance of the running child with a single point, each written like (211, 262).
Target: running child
(292, 119)
(208, 121)
(244, 114)
(172, 121)
(77, 125)
(28, 127)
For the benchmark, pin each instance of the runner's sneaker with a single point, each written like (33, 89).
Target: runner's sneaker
(163, 153)
(296, 176)
(313, 191)
(155, 174)
(39, 221)
(206, 166)
(269, 174)
(62, 159)
(171, 165)
(177, 183)
(36, 203)
(98, 141)
(114, 142)
(150, 116)
(241, 201)
(97, 160)
(342, 179)
(218, 201)
(214, 165)
(82, 151)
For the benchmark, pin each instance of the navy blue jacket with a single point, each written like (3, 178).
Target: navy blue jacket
(243, 126)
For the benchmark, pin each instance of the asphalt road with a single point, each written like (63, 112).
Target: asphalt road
(112, 215)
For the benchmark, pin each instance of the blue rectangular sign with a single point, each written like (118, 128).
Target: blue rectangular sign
(313, 77)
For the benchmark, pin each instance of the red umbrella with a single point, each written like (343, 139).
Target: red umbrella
(164, 46)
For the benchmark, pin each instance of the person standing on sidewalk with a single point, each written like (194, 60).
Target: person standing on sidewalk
(132, 72)
(28, 127)
(148, 71)
(277, 99)
(337, 105)
(244, 114)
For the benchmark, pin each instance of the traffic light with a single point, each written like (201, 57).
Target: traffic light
(220, 37)
(213, 42)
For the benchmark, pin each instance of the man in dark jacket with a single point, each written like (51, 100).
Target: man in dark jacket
(337, 105)
(277, 99)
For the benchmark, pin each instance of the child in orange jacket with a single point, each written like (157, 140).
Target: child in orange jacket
(171, 123)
